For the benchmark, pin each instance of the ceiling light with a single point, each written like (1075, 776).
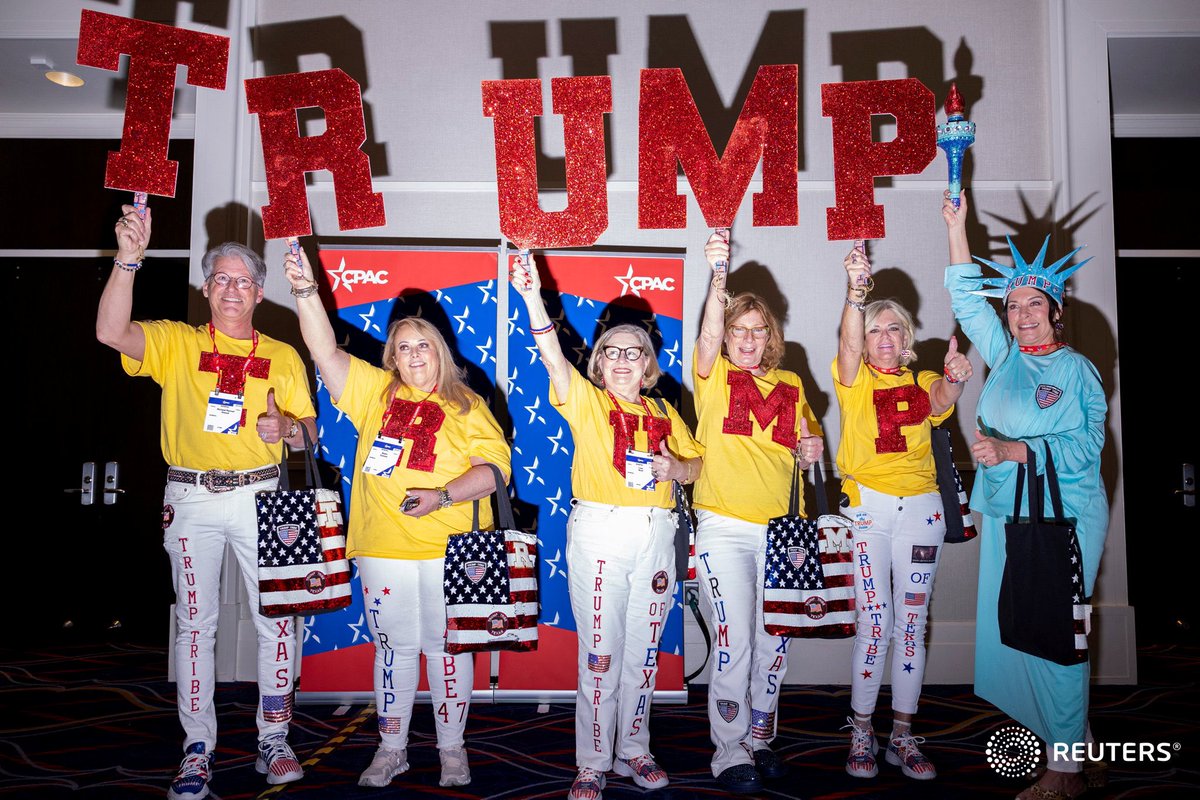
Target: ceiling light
(68, 79)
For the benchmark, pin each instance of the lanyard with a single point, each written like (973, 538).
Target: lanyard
(624, 422)
(241, 386)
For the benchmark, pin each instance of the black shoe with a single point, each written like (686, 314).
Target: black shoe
(768, 764)
(740, 779)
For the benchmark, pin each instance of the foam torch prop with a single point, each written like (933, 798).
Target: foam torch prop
(955, 137)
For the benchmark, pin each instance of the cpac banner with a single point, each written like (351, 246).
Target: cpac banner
(585, 293)
(455, 289)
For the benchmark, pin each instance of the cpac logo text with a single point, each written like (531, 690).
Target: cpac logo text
(351, 277)
(636, 284)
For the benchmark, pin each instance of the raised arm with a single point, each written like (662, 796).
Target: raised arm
(525, 279)
(850, 340)
(712, 325)
(114, 324)
(974, 314)
(333, 363)
(956, 371)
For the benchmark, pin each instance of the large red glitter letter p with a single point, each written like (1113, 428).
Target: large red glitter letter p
(287, 155)
(141, 165)
(857, 159)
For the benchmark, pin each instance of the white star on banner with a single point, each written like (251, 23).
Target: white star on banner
(484, 356)
(532, 470)
(513, 386)
(438, 294)
(461, 319)
(512, 323)
(553, 501)
(368, 319)
(532, 409)
(357, 628)
(556, 441)
(554, 568)
(487, 291)
(672, 353)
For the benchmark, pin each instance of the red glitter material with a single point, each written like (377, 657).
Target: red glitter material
(890, 417)
(232, 370)
(670, 129)
(287, 155)
(582, 102)
(780, 405)
(423, 433)
(857, 159)
(954, 102)
(658, 430)
(141, 165)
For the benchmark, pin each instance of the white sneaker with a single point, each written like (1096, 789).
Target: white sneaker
(863, 747)
(588, 785)
(455, 771)
(385, 765)
(643, 770)
(191, 783)
(902, 752)
(277, 761)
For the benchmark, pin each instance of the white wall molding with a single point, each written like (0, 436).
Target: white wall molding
(1151, 126)
(105, 125)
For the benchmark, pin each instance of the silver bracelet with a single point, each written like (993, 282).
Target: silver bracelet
(859, 306)
(307, 291)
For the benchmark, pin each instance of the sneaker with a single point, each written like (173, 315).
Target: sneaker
(740, 779)
(455, 771)
(902, 752)
(588, 785)
(277, 761)
(768, 764)
(191, 783)
(643, 770)
(863, 747)
(387, 763)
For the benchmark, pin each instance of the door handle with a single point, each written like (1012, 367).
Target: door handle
(112, 475)
(87, 489)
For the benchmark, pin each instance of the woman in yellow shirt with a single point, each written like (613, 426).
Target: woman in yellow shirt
(424, 443)
(620, 536)
(890, 492)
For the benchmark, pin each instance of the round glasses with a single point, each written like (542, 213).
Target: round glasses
(630, 353)
(241, 281)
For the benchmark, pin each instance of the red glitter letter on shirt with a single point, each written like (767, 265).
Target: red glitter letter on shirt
(890, 417)
(287, 155)
(857, 159)
(670, 128)
(427, 419)
(582, 102)
(141, 165)
(745, 399)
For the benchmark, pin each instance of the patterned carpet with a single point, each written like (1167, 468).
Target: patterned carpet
(98, 721)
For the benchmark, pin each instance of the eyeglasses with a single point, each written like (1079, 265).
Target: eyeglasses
(740, 331)
(630, 353)
(221, 279)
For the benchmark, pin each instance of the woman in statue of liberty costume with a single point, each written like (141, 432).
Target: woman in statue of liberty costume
(1041, 395)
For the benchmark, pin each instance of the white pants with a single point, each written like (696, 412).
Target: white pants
(621, 573)
(747, 665)
(406, 612)
(197, 524)
(897, 546)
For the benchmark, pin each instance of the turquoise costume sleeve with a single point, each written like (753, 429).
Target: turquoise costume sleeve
(975, 314)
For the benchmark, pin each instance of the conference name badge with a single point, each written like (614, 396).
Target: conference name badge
(224, 413)
(384, 456)
(637, 470)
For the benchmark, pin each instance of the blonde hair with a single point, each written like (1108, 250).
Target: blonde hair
(877, 307)
(653, 371)
(451, 378)
(744, 303)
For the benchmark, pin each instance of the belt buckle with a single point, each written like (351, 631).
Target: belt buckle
(209, 479)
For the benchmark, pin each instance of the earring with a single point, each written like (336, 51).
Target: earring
(1058, 326)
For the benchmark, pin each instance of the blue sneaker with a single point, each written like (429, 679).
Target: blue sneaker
(191, 783)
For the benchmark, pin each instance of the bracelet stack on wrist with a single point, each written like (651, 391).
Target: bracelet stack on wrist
(540, 331)
(131, 266)
(950, 378)
(307, 291)
(854, 304)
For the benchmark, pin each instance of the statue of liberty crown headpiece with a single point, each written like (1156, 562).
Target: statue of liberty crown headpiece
(1049, 279)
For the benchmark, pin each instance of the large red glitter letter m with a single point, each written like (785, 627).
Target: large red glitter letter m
(582, 102)
(287, 155)
(780, 406)
(141, 165)
(670, 129)
(857, 158)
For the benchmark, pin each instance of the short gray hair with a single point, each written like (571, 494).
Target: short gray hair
(252, 260)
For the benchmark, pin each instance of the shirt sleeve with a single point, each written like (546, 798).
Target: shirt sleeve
(975, 314)
(682, 443)
(927, 378)
(487, 440)
(362, 380)
(295, 399)
(158, 356)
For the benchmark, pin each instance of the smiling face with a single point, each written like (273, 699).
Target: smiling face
(621, 376)
(231, 307)
(883, 340)
(746, 339)
(1031, 316)
(416, 358)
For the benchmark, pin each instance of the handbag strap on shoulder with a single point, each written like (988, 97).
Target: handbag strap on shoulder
(506, 521)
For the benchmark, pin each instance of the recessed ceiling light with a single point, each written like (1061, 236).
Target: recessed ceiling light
(68, 79)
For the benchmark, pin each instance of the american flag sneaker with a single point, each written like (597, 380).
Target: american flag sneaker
(643, 770)
(902, 752)
(277, 761)
(863, 746)
(588, 785)
(191, 783)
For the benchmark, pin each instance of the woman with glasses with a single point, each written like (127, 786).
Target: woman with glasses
(756, 427)
(620, 536)
(890, 491)
(425, 442)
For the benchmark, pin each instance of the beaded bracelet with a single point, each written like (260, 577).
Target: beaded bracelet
(540, 331)
(307, 291)
(949, 378)
(859, 306)
(132, 266)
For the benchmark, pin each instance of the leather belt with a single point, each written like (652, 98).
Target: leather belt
(221, 480)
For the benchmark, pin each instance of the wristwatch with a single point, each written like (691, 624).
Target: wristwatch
(444, 499)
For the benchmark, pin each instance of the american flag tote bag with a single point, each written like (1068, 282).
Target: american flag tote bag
(808, 581)
(302, 566)
(491, 584)
(960, 525)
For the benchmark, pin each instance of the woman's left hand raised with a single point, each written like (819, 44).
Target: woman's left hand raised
(957, 366)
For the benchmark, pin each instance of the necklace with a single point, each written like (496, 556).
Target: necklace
(1041, 349)
(884, 370)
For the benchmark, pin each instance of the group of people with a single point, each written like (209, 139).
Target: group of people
(232, 396)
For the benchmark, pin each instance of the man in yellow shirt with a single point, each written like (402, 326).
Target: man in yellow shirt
(231, 397)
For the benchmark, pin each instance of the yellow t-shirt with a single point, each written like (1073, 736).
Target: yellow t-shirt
(600, 445)
(438, 445)
(749, 428)
(179, 357)
(893, 458)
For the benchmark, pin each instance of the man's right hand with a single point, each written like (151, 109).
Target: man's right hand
(133, 235)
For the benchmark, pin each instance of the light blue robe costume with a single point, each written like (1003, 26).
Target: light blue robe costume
(1048, 698)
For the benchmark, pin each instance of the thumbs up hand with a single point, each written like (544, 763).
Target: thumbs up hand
(809, 447)
(957, 367)
(272, 425)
